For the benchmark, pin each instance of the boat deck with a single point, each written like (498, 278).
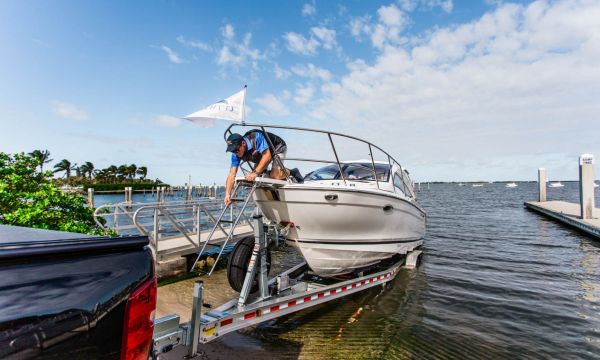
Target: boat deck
(569, 214)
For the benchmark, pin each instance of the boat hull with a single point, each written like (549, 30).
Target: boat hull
(342, 230)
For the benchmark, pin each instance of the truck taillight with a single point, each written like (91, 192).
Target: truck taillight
(139, 322)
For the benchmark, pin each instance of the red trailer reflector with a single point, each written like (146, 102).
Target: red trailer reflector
(320, 295)
(138, 325)
(249, 316)
(292, 303)
(275, 308)
(307, 299)
(226, 322)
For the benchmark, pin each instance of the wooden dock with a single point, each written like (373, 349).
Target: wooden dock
(569, 214)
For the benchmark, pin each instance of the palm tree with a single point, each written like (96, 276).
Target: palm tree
(66, 166)
(87, 168)
(122, 172)
(142, 171)
(131, 171)
(43, 156)
(111, 172)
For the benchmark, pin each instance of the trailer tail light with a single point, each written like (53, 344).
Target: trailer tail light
(139, 322)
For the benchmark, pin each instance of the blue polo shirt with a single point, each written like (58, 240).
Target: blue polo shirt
(261, 146)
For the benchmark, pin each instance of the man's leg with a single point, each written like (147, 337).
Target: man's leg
(278, 171)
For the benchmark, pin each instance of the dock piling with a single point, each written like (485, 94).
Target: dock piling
(91, 198)
(541, 184)
(586, 186)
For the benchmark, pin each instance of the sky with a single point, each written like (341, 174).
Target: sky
(453, 90)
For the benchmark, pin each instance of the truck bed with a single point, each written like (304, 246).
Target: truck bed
(63, 295)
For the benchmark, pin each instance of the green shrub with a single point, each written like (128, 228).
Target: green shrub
(29, 198)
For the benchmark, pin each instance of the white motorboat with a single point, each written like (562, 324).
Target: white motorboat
(557, 184)
(511, 185)
(347, 215)
(477, 185)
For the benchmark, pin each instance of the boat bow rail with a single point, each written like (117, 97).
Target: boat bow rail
(408, 184)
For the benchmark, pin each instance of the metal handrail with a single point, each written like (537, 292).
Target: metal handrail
(173, 214)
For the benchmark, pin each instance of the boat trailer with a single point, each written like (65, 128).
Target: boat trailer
(288, 292)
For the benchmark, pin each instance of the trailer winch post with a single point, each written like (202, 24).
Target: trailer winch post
(194, 335)
(259, 252)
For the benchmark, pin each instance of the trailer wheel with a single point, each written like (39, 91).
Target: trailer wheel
(237, 265)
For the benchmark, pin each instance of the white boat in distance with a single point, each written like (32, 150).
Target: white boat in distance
(557, 184)
(477, 185)
(344, 216)
(511, 185)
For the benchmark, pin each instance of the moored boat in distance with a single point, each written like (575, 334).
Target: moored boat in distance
(556, 184)
(477, 185)
(511, 185)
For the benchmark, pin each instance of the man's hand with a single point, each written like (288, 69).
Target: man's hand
(251, 176)
(227, 200)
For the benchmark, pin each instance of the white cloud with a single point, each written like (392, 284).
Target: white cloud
(320, 36)
(280, 73)
(227, 31)
(172, 55)
(168, 121)
(304, 94)
(298, 44)
(309, 10)
(68, 111)
(326, 36)
(227, 57)
(311, 71)
(194, 44)
(360, 25)
(235, 53)
(273, 106)
(411, 5)
(391, 21)
(479, 89)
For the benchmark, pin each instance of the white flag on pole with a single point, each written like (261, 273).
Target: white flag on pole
(231, 109)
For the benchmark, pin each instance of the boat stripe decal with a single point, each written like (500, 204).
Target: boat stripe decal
(358, 242)
(306, 299)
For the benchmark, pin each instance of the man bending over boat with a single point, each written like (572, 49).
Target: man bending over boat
(254, 147)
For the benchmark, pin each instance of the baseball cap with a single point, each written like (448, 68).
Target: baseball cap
(233, 141)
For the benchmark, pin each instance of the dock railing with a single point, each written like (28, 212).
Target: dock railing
(169, 220)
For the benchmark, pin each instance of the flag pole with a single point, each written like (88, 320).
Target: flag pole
(244, 105)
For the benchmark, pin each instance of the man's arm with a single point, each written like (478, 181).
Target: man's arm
(229, 184)
(262, 165)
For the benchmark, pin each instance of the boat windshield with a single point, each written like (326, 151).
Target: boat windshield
(352, 171)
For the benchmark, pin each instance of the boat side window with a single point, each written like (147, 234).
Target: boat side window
(364, 171)
(329, 172)
(398, 183)
(408, 186)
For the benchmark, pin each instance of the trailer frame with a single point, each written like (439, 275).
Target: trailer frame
(291, 291)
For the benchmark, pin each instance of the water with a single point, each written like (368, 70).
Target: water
(496, 282)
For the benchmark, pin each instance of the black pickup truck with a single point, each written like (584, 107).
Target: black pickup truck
(72, 296)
